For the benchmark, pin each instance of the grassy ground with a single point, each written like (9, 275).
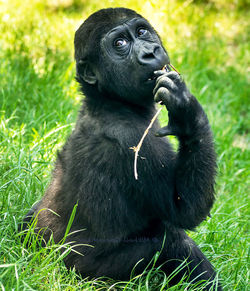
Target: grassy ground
(38, 106)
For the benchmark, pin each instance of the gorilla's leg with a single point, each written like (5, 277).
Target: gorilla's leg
(111, 259)
(117, 260)
(181, 252)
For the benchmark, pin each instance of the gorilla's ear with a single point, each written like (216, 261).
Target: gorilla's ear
(85, 72)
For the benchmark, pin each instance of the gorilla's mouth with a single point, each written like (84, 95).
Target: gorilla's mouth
(154, 77)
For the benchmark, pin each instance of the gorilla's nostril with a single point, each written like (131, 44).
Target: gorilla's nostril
(149, 56)
(156, 49)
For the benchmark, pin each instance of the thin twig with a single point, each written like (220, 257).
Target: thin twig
(173, 68)
(138, 147)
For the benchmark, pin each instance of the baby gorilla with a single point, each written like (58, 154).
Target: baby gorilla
(119, 57)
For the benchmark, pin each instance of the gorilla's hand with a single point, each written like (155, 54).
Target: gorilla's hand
(186, 116)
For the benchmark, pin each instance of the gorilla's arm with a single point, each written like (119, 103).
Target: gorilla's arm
(195, 164)
(194, 179)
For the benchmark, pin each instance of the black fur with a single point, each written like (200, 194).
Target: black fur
(123, 218)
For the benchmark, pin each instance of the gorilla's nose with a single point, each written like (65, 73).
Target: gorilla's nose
(150, 54)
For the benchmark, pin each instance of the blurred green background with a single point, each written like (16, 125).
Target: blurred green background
(208, 42)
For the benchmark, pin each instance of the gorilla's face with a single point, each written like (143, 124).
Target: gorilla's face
(118, 56)
(130, 53)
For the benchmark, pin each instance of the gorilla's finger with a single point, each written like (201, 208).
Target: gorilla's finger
(175, 77)
(164, 131)
(165, 82)
(159, 73)
(166, 98)
(163, 95)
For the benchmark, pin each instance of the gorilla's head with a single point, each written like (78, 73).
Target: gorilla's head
(117, 52)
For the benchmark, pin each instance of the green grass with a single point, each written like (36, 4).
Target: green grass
(39, 100)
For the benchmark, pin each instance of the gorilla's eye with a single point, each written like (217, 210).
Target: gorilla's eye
(141, 31)
(120, 42)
